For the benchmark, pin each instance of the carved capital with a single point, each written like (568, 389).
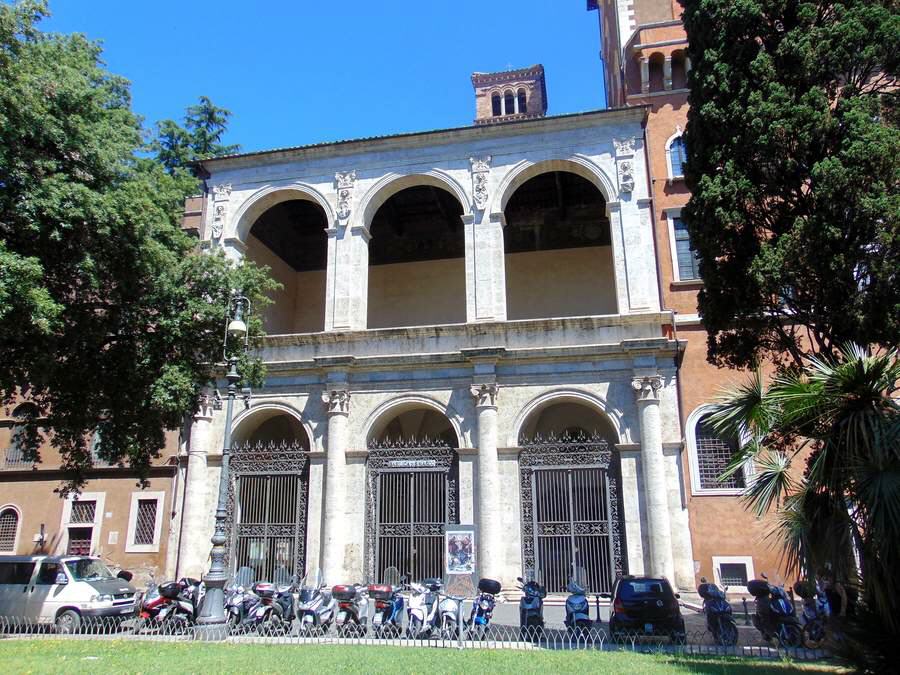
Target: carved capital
(624, 146)
(207, 402)
(222, 192)
(345, 181)
(486, 394)
(336, 401)
(647, 388)
(481, 167)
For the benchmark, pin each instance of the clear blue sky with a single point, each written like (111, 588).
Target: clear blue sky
(296, 72)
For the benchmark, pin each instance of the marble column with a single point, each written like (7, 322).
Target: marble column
(490, 533)
(655, 485)
(667, 72)
(196, 518)
(337, 405)
(645, 75)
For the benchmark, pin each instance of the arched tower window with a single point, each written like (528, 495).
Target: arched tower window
(523, 106)
(496, 110)
(677, 157)
(509, 103)
(9, 529)
(710, 454)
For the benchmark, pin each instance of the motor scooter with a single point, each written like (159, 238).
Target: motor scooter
(578, 619)
(423, 606)
(316, 606)
(170, 607)
(774, 616)
(353, 609)
(387, 619)
(719, 619)
(483, 609)
(531, 607)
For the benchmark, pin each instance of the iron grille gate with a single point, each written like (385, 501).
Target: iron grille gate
(411, 495)
(570, 511)
(267, 505)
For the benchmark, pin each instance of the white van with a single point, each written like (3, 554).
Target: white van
(62, 590)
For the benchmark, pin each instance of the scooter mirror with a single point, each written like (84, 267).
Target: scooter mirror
(519, 579)
(678, 595)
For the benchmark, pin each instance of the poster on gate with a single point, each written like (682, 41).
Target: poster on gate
(460, 549)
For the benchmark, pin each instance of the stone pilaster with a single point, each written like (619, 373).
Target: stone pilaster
(194, 542)
(337, 406)
(646, 389)
(490, 532)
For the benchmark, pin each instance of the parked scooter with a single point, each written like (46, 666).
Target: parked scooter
(423, 613)
(578, 618)
(483, 608)
(719, 618)
(171, 607)
(815, 613)
(316, 606)
(449, 609)
(387, 619)
(774, 616)
(353, 609)
(268, 616)
(531, 607)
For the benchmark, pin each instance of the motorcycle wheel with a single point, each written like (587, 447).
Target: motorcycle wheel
(414, 629)
(814, 633)
(790, 635)
(449, 630)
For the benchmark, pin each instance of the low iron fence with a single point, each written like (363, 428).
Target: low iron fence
(495, 636)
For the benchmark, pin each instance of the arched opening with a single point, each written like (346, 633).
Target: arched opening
(657, 76)
(416, 260)
(679, 70)
(558, 258)
(290, 239)
(269, 497)
(523, 105)
(9, 529)
(412, 492)
(571, 524)
(496, 109)
(509, 103)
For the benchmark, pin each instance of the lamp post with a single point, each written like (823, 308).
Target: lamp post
(212, 617)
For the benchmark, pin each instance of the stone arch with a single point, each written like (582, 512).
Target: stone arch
(390, 184)
(261, 413)
(387, 411)
(526, 169)
(13, 541)
(265, 198)
(578, 396)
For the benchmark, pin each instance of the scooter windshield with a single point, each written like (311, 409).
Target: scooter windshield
(312, 580)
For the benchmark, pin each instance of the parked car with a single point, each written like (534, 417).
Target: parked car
(645, 606)
(62, 590)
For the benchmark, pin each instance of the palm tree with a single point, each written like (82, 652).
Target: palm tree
(841, 417)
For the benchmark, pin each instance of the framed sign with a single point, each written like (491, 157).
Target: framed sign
(459, 549)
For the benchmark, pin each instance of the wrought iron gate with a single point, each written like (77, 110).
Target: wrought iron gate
(411, 495)
(570, 511)
(267, 506)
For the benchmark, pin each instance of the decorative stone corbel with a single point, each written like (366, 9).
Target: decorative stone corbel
(221, 197)
(625, 163)
(345, 181)
(336, 401)
(481, 169)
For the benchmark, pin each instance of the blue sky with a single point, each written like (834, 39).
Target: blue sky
(304, 72)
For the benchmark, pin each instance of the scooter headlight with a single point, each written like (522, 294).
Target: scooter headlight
(485, 605)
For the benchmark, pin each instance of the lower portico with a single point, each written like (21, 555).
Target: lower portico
(564, 452)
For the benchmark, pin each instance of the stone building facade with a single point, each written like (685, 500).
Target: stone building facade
(469, 332)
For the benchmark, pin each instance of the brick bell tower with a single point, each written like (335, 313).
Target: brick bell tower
(510, 95)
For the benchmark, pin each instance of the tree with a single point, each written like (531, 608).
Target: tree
(840, 415)
(200, 137)
(109, 317)
(794, 167)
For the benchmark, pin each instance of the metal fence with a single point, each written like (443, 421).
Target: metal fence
(496, 636)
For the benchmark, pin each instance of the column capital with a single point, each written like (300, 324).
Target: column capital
(647, 388)
(207, 402)
(485, 394)
(337, 401)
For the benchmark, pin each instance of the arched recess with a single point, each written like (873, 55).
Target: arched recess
(412, 488)
(284, 228)
(656, 70)
(557, 242)
(570, 501)
(593, 415)
(416, 252)
(269, 494)
(679, 69)
(10, 527)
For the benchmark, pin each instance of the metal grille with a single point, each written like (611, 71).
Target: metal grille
(713, 455)
(83, 512)
(145, 522)
(733, 574)
(80, 540)
(9, 523)
(15, 458)
(411, 497)
(570, 515)
(267, 504)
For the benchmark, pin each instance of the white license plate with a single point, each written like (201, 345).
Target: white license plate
(648, 627)
(261, 611)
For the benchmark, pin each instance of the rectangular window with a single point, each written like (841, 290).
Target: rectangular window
(16, 572)
(733, 574)
(83, 512)
(713, 457)
(145, 525)
(79, 540)
(48, 573)
(688, 265)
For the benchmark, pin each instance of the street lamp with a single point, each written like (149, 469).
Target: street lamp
(212, 616)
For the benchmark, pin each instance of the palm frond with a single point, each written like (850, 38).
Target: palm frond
(771, 483)
(742, 410)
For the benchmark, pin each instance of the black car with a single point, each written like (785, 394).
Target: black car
(645, 606)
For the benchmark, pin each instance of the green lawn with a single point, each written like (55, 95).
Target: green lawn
(100, 656)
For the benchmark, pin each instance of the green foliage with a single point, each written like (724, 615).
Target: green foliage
(794, 165)
(108, 313)
(200, 137)
(840, 415)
